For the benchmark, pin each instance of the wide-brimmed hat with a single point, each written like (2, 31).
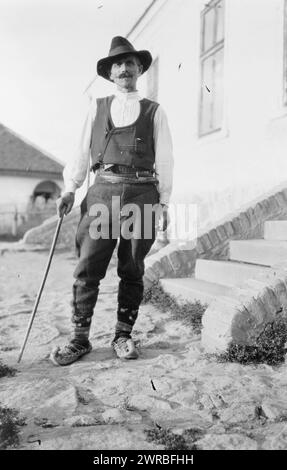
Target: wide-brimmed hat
(119, 47)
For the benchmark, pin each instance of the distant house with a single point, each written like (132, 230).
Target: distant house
(220, 72)
(30, 181)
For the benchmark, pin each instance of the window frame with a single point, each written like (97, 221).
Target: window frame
(284, 85)
(204, 55)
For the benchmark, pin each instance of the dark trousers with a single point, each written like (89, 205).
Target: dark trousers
(105, 210)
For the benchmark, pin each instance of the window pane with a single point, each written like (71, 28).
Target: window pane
(218, 90)
(285, 56)
(220, 21)
(207, 94)
(285, 80)
(208, 29)
(211, 98)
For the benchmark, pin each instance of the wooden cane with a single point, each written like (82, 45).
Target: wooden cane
(42, 285)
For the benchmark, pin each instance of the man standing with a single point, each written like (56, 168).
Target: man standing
(129, 143)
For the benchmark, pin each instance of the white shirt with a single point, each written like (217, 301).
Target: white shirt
(125, 109)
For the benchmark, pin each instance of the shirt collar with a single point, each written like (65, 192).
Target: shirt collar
(132, 96)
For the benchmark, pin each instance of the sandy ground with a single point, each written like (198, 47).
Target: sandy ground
(101, 402)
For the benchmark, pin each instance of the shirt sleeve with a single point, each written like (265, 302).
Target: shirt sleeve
(75, 171)
(164, 161)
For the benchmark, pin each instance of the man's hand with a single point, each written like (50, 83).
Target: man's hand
(164, 218)
(65, 204)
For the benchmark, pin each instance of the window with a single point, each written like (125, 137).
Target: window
(285, 56)
(152, 81)
(211, 59)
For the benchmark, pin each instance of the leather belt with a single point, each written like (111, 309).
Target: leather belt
(128, 171)
(136, 177)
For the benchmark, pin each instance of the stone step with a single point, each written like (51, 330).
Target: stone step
(228, 273)
(263, 252)
(275, 230)
(190, 289)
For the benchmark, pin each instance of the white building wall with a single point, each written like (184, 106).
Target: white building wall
(15, 194)
(17, 190)
(227, 168)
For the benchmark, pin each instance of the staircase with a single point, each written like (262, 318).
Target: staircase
(248, 259)
(253, 265)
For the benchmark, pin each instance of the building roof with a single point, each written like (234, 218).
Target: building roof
(141, 18)
(17, 156)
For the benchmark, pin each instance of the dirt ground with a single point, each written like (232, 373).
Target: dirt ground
(101, 402)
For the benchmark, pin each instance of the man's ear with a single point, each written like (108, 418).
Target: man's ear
(140, 69)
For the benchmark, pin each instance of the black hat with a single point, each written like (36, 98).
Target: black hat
(119, 47)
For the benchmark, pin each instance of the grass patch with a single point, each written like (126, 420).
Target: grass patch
(269, 347)
(10, 422)
(172, 441)
(6, 371)
(190, 313)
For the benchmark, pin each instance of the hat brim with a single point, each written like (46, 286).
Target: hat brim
(104, 65)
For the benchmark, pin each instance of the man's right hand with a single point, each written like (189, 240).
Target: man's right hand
(65, 204)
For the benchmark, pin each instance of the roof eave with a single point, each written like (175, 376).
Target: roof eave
(31, 174)
(150, 12)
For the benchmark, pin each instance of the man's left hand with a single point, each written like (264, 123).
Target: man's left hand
(164, 219)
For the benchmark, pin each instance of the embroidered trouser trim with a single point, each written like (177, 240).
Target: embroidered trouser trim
(126, 320)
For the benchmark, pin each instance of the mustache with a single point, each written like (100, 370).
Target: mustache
(125, 75)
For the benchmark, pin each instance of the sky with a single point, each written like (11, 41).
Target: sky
(49, 50)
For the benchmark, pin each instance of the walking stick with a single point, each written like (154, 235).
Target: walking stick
(42, 285)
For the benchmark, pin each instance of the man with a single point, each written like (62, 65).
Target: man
(129, 142)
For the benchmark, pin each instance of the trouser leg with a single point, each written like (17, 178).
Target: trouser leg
(131, 255)
(91, 269)
(94, 256)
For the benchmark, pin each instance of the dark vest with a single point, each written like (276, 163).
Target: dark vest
(131, 145)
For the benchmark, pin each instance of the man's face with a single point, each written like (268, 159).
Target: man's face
(125, 72)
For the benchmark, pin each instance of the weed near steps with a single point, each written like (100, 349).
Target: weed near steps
(268, 348)
(190, 313)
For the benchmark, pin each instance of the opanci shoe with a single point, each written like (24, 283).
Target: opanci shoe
(69, 353)
(125, 348)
